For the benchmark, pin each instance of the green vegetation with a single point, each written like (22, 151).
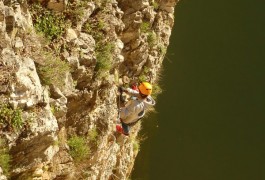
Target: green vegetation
(104, 48)
(101, 3)
(104, 58)
(136, 145)
(4, 157)
(162, 49)
(11, 118)
(96, 29)
(145, 27)
(155, 5)
(93, 135)
(156, 91)
(143, 76)
(53, 70)
(101, 24)
(75, 10)
(53, 24)
(78, 148)
(152, 38)
(45, 21)
(135, 141)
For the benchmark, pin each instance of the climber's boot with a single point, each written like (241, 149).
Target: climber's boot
(120, 130)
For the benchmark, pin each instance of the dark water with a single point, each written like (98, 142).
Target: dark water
(211, 116)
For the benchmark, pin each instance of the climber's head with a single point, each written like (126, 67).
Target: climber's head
(145, 89)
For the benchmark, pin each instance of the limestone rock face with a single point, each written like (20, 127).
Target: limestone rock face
(146, 35)
(52, 91)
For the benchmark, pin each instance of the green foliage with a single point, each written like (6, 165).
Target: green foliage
(53, 70)
(52, 109)
(135, 143)
(101, 3)
(96, 29)
(75, 11)
(142, 77)
(56, 143)
(156, 91)
(11, 118)
(48, 22)
(155, 5)
(145, 27)
(104, 58)
(92, 135)
(151, 38)
(4, 157)
(78, 148)
(162, 49)
(103, 50)
(101, 25)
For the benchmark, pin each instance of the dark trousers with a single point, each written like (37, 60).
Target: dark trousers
(125, 127)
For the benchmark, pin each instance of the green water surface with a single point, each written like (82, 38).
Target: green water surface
(210, 123)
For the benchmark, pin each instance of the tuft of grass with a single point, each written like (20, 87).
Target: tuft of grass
(53, 70)
(101, 3)
(136, 145)
(101, 24)
(45, 21)
(135, 141)
(11, 118)
(104, 58)
(5, 158)
(104, 49)
(156, 91)
(142, 77)
(151, 38)
(78, 148)
(145, 27)
(75, 11)
(162, 49)
(155, 5)
(95, 28)
(93, 135)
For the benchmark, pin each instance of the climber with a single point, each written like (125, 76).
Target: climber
(134, 110)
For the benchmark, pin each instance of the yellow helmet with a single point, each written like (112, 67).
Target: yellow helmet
(145, 88)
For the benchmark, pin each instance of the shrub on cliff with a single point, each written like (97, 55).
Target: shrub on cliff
(51, 24)
(152, 38)
(104, 58)
(10, 119)
(52, 70)
(78, 148)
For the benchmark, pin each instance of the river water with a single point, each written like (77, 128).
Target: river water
(210, 123)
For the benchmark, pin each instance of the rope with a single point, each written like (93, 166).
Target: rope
(119, 99)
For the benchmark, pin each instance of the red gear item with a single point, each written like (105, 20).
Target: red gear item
(134, 87)
(119, 129)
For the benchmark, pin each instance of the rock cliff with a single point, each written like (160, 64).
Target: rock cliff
(61, 62)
